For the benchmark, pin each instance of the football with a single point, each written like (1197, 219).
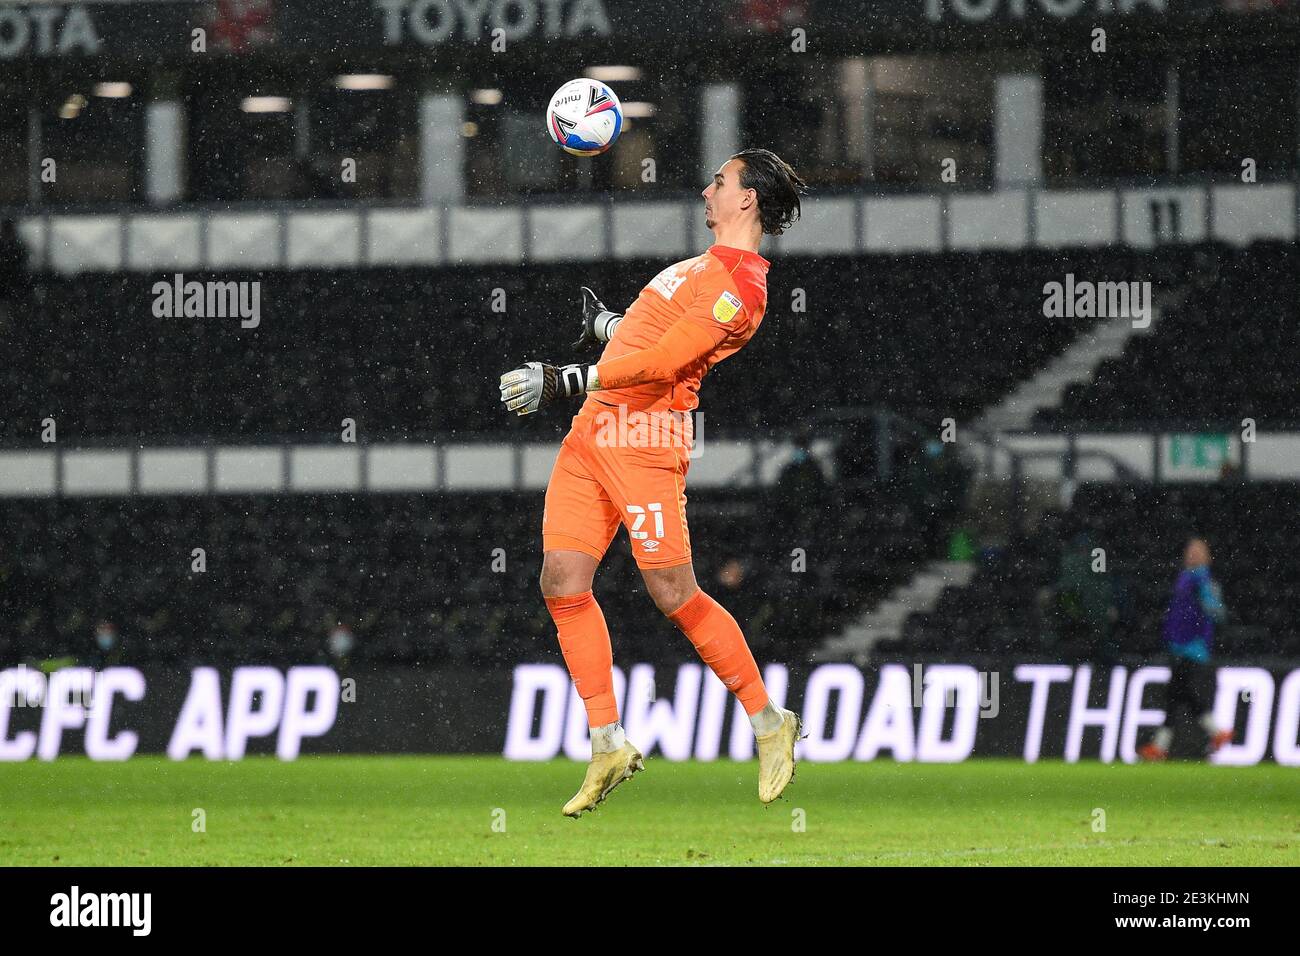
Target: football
(584, 117)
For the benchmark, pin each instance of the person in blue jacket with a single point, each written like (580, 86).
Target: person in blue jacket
(1195, 608)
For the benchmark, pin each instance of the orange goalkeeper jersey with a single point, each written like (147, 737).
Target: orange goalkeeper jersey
(723, 290)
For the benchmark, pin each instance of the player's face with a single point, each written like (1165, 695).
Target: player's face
(724, 200)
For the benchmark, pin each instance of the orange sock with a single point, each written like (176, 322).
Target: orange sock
(720, 644)
(584, 641)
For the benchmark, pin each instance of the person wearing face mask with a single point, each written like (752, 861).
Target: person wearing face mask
(935, 483)
(340, 643)
(108, 645)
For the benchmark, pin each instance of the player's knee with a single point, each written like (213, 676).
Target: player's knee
(670, 602)
(552, 580)
(562, 574)
(670, 592)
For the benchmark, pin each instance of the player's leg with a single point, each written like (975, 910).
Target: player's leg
(716, 636)
(648, 485)
(721, 644)
(1203, 705)
(580, 624)
(1182, 696)
(1163, 737)
(578, 523)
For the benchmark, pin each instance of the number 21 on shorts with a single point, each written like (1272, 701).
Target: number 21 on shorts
(655, 508)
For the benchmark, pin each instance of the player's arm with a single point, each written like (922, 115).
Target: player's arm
(1211, 598)
(686, 341)
(713, 316)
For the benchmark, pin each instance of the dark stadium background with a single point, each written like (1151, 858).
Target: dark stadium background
(829, 511)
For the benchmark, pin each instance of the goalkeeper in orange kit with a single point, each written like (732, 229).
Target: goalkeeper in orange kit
(625, 459)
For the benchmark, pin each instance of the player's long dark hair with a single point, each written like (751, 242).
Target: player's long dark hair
(778, 185)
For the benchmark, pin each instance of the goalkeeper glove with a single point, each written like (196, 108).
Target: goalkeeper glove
(528, 388)
(598, 323)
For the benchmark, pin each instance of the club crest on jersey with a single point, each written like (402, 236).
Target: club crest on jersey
(725, 309)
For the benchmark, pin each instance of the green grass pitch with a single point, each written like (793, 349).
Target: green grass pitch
(485, 810)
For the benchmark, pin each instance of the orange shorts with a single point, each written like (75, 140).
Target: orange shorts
(621, 466)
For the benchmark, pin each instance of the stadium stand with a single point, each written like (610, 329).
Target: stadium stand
(1015, 601)
(1220, 354)
(929, 336)
(412, 575)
